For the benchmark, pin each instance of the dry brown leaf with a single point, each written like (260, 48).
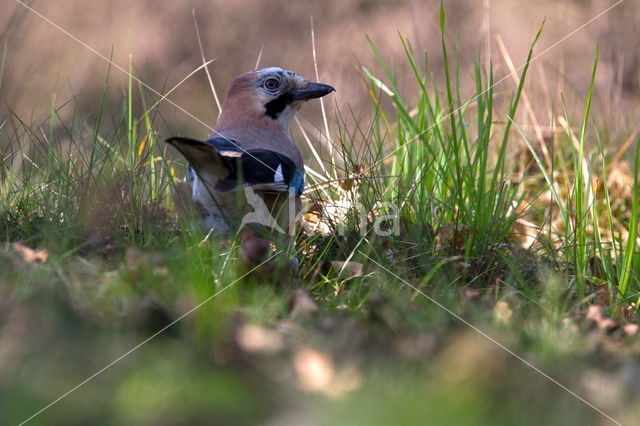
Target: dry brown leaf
(357, 171)
(256, 339)
(525, 233)
(502, 312)
(471, 293)
(314, 369)
(312, 223)
(607, 324)
(631, 329)
(594, 313)
(316, 373)
(30, 255)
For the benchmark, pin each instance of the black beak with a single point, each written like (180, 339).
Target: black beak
(312, 91)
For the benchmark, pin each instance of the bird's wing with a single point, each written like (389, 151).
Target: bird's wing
(261, 169)
(203, 155)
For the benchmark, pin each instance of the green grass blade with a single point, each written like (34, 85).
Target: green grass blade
(631, 248)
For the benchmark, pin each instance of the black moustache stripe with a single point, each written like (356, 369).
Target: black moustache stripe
(276, 106)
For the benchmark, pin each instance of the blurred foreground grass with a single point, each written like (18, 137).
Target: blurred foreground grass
(530, 242)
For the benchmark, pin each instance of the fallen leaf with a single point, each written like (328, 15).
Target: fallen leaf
(256, 339)
(314, 369)
(594, 313)
(607, 324)
(631, 329)
(471, 293)
(502, 312)
(357, 171)
(316, 373)
(30, 255)
(525, 233)
(313, 224)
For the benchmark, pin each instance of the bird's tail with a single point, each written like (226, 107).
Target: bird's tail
(201, 155)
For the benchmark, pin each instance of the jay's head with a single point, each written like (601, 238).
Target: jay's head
(268, 96)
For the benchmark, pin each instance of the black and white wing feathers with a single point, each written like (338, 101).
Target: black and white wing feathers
(260, 169)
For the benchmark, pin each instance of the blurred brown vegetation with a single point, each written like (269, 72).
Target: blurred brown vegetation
(160, 35)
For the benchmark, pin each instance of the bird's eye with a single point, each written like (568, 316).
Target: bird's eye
(271, 84)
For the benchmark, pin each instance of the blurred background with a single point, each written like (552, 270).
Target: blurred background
(46, 68)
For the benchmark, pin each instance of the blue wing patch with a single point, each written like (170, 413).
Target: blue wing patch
(297, 183)
(191, 174)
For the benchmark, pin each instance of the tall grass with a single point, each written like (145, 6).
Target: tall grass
(453, 183)
(594, 252)
(84, 181)
(435, 163)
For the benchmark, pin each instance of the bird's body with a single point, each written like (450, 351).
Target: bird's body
(251, 149)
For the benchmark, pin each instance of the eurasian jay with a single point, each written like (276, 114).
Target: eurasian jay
(251, 148)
